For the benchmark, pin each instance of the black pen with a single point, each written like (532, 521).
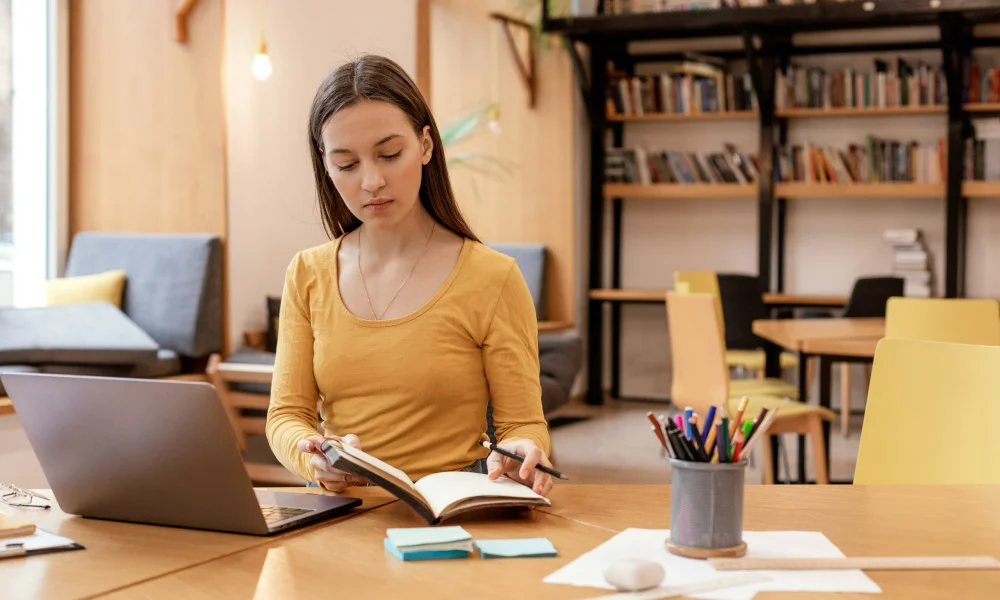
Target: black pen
(520, 458)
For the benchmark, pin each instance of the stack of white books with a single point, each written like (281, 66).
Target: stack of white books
(911, 261)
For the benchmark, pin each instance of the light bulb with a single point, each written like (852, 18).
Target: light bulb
(494, 119)
(261, 67)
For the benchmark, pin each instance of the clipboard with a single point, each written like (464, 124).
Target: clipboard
(40, 542)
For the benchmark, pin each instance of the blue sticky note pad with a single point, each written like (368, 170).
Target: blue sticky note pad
(515, 548)
(421, 536)
(423, 554)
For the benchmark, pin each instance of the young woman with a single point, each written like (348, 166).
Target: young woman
(404, 326)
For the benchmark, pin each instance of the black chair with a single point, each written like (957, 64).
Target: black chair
(868, 299)
(742, 300)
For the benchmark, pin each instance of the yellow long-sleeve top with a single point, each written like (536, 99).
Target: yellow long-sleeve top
(414, 389)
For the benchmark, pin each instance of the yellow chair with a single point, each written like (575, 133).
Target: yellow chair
(701, 379)
(958, 320)
(707, 282)
(932, 415)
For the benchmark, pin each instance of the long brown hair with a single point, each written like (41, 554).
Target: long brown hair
(372, 77)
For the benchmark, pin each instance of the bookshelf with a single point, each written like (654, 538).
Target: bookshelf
(766, 36)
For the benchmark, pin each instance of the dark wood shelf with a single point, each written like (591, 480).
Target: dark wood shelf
(771, 298)
(822, 16)
(680, 191)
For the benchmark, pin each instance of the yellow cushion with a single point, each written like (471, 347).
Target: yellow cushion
(754, 360)
(107, 286)
(770, 386)
(786, 408)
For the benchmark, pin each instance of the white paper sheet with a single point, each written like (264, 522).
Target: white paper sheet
(40, 540)
(588, 570)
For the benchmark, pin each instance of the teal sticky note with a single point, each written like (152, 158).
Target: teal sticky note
(403, 537)
(423, 554)
(515, 548)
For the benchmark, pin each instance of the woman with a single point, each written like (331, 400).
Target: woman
(404, 325)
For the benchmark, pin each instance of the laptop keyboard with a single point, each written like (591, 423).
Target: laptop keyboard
(273, 514)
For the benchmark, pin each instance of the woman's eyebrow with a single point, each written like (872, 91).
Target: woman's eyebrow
(384, 140)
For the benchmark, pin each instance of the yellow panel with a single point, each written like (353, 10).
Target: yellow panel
(959, 320)
(932, 415)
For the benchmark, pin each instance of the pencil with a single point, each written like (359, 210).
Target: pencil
(519, 458)
(756, 422)
(696, 438)
(735, 423)
(709, 419)
(710, 441)
(656, 429)
(759, 432)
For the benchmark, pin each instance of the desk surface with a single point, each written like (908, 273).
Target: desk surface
(347, 558)
(859, 348)
(793, 333)
(118, 554)
(6, 406)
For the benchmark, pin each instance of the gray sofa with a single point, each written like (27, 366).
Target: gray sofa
(560, 354)
(170, 320)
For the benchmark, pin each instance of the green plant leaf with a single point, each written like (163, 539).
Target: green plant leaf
(481, 163)
(461, 127)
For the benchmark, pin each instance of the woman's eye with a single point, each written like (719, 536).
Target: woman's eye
(393, 156)
(347, 167)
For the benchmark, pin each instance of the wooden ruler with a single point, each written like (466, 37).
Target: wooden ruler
(868, 563)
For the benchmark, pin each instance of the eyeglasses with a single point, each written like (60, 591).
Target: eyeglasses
(11, 495)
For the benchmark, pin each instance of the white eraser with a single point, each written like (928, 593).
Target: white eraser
(634, 574)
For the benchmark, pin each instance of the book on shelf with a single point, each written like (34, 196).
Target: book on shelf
(982, 151)
(877, 160)
(695, 85)
(438, 496)
(911, 261)
(980, 85)
(640, 165)
(888, 84)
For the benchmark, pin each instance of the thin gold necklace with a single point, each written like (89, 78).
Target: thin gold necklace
(364, 286)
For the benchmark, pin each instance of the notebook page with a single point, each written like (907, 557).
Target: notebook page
(441, 490)
(371, 460)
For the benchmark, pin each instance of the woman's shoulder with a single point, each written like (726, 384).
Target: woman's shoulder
(488, 264)
(314, 257)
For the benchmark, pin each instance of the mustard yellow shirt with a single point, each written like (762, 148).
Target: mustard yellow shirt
(414, 389)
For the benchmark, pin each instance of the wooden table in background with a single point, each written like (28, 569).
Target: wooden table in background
(6, 406)
(830, 340)
(347, 559)
(117, 555)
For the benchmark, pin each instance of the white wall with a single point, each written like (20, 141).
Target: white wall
(272, 198)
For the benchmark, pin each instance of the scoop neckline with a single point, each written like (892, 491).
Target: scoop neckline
(466, 245)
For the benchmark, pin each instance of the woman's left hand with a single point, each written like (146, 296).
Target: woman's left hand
(525, 472)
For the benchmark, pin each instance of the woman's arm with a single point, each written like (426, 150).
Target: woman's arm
(292, 414)
(510, 358)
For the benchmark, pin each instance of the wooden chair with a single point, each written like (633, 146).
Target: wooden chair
(932, 414)
(957, 320)
(708, 282)
(701, 379)
(247, 414)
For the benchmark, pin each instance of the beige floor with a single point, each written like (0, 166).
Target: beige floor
(615, 445)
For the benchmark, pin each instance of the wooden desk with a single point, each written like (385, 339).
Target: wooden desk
(792, 333)
(845, 339)
(6, 406)
(347, 559)
(856, 348)
(782, 299)
(118, 555)
(771, 298)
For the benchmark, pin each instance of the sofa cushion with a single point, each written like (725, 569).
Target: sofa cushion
(107, 287)
(94, 333)
(173, 286)
(530, 259)
(165, 364)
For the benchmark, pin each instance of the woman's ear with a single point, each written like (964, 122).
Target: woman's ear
(427, 144)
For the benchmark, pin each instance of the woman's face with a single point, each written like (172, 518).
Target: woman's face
(375, 161)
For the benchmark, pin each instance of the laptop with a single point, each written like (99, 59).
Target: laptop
(153, 451)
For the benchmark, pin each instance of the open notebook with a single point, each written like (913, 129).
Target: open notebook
(438, 496)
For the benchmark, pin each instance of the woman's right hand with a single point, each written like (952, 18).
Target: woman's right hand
(330, 478)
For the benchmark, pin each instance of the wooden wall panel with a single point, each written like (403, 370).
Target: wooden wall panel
(535, 203)
(146, 118)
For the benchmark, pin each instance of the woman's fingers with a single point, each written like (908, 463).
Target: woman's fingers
(530, 462)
